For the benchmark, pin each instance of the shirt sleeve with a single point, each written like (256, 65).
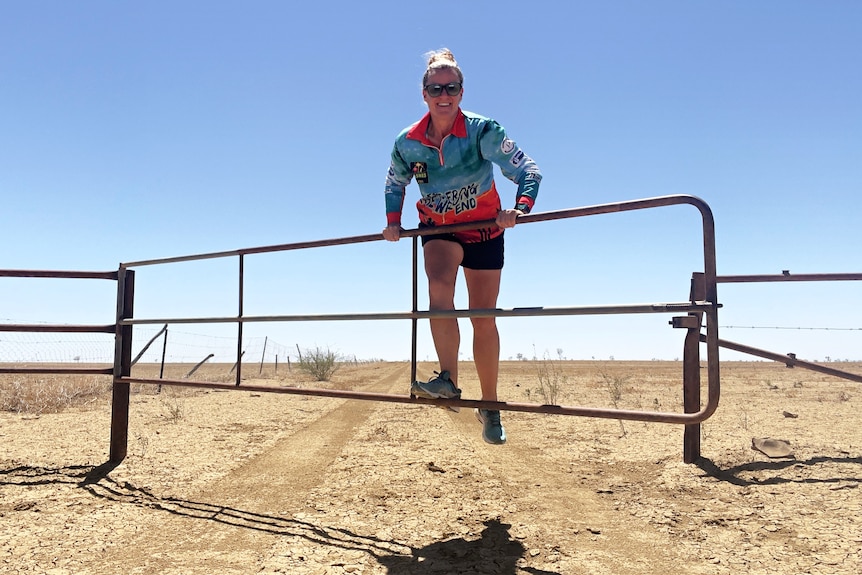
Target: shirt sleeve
(397, 178)
(515, 165)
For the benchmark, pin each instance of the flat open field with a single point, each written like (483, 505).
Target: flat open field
(237, 482)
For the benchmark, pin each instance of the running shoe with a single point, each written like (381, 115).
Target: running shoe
(492, 429)
(439, 386)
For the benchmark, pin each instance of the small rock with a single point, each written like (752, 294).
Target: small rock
(771, 447)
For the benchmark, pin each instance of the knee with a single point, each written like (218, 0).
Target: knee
(484, 326)
(441, 295)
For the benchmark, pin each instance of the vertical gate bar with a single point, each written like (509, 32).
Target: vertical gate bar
(710, 288)
(122, 367)
(414, 321)
(691, 374)
(239, 323)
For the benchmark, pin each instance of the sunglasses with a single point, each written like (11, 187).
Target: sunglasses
(434, 90)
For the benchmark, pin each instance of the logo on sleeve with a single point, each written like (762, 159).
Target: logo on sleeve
(507, 146)
(517, 158)
(420, 172)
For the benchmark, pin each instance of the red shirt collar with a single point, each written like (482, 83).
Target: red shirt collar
(420, 128)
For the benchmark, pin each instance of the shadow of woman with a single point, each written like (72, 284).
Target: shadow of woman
(494, 553)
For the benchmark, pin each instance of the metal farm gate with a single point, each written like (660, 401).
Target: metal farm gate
(698, 316)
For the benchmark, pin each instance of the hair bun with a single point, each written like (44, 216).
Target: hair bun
(442, 55)
(441, 59)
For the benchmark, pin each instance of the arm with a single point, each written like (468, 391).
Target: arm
(397, 178)
(514, 164)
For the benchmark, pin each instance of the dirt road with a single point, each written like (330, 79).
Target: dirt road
(235, 482)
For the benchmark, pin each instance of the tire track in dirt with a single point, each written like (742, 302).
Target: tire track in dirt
(580, 524)
(283, 474)
(259, 497)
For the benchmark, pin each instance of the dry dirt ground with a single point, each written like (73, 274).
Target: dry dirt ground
(236, 482)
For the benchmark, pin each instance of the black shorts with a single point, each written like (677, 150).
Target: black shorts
(487, 255)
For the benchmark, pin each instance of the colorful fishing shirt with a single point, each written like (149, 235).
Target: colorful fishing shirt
(456, 180)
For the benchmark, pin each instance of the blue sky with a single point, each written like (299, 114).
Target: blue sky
(134, 131)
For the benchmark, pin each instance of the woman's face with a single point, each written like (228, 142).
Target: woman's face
(443, 106)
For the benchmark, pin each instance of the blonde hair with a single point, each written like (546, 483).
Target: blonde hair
(441, 59)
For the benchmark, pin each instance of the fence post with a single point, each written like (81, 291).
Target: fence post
(122, 367)
(263, 355)
(239, 351)
(691, 372)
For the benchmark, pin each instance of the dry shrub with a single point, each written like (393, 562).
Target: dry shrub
(174, 409)
(615, 384)
(320, 363)
(552, 379)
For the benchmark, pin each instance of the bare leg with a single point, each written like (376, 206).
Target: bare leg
(442, 259)
(483, 287)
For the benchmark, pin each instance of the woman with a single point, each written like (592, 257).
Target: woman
(450, 153)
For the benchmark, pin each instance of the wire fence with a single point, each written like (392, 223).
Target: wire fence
(185, 346)
(177, 346)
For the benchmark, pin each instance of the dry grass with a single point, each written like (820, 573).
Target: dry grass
(624, 385)
(38, 394)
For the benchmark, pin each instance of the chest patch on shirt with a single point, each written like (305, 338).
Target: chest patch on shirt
(420, 172)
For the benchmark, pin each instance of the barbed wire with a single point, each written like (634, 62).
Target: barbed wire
(790, 327)
(189, 347)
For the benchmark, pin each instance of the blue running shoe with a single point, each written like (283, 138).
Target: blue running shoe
(492, 429)
(437, 387)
